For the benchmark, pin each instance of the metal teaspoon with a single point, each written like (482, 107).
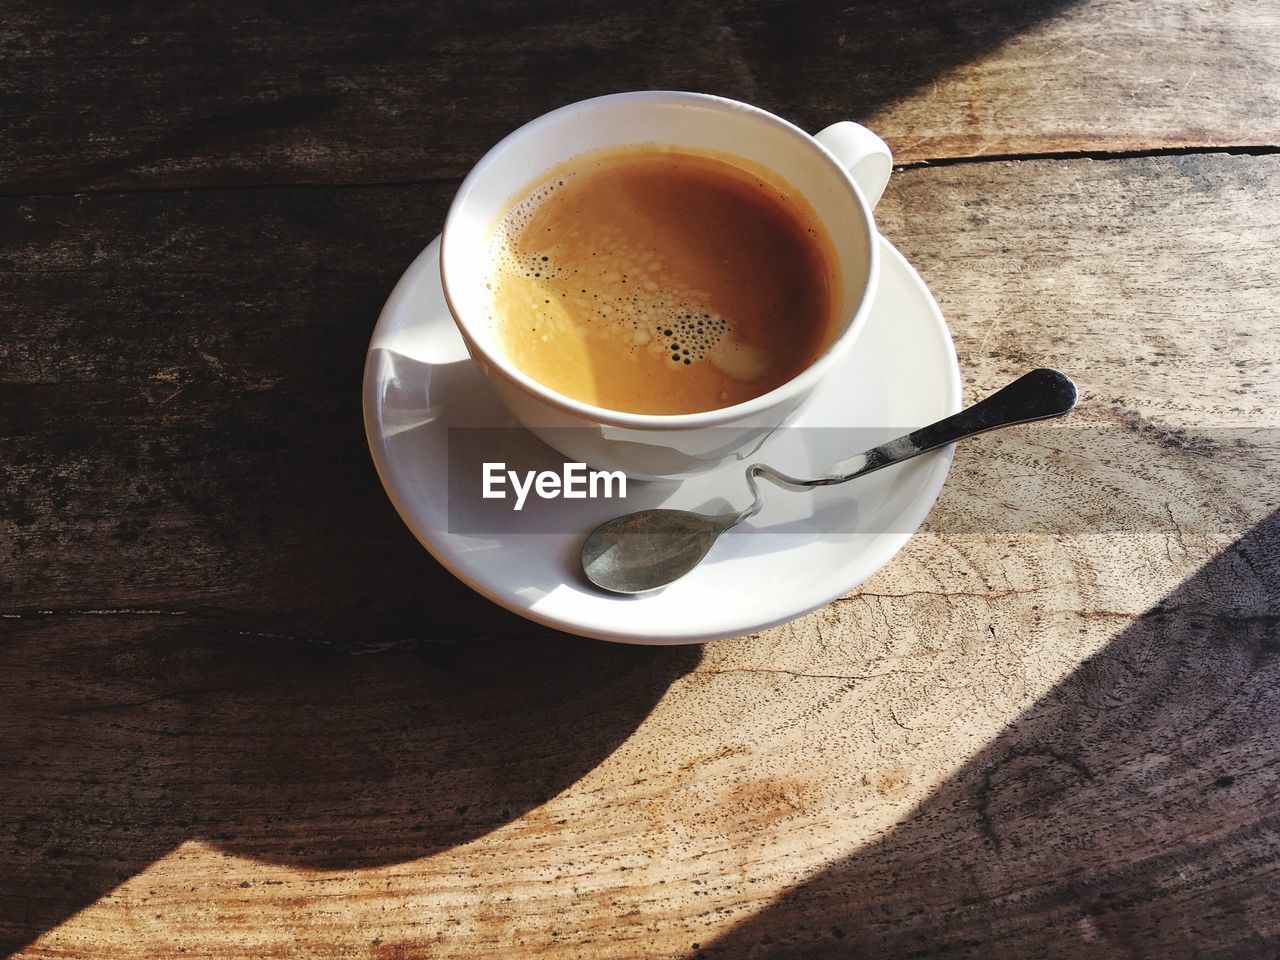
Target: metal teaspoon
(643, 551)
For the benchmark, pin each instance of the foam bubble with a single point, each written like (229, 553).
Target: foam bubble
(619, 292)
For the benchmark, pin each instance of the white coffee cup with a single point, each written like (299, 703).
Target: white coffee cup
(841, 172)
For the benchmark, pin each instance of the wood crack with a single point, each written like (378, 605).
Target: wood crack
(95, 612)
(16, 191)
(1243, 150)
(944, 593)
(807, 676)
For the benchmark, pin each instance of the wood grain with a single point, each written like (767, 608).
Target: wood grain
(1103, 75)
(246, 715)
(185, 94)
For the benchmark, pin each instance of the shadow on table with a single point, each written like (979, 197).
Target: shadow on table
(217, 628)
(284, 751)
(225, 110)
(1131, 812)
(339, 701)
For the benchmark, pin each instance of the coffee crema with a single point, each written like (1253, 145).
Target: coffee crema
(656, 280)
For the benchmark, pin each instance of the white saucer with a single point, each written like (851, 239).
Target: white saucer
(802, 551)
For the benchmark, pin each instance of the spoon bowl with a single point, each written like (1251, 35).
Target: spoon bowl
(644, 551)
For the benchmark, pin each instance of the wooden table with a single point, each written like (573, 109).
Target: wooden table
(243, 714)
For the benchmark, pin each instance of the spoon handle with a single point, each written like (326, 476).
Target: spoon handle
(1037, 395)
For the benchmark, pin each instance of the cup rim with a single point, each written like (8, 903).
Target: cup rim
(798, 386)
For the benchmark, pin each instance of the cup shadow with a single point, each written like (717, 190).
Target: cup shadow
(284, 750)
(308, 687)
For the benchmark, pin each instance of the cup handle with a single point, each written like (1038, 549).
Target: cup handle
(866, 157)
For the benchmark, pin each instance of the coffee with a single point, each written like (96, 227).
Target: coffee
(662, 281)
